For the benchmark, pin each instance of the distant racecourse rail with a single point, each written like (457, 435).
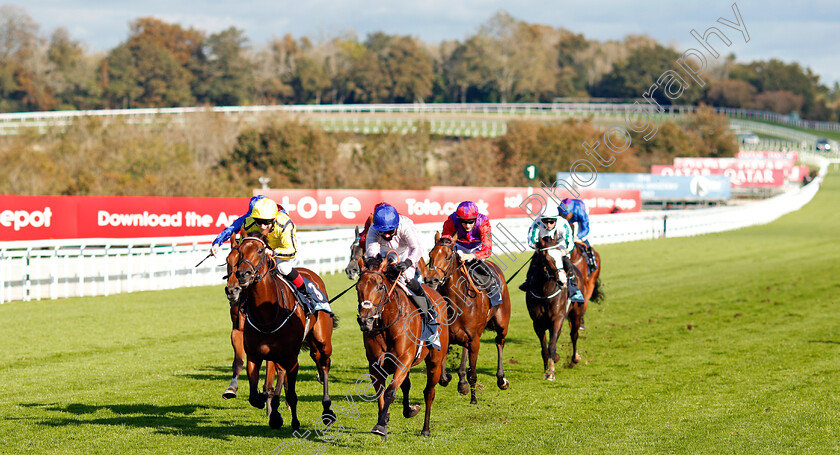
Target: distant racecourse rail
(55, 269)
(11, 122)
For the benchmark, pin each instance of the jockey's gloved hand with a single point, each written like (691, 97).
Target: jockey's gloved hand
(466, 256)
(401, 266)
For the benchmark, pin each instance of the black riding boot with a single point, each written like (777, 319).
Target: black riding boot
(569, 269)
(420, 299)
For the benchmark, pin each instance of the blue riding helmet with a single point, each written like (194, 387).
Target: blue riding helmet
(385, 218)
(563, 209)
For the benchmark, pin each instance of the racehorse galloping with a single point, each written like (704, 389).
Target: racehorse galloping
(277, 325)
(549, 304)
(391, 329)
(471, 311)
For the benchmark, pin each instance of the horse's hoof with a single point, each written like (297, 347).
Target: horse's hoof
(549, 377)
(295, 424)
(257, 401)
(503, 383)
(463, 388)
(473, 401)
(411, 411)
(556, 357)
(576, 358)
(381, 431)
(275, 420)
(229, 393)
(328, 418)
(445, 380)
(425, 433)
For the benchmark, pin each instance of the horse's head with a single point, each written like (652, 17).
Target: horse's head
(356, 251)
(549, 255)
(442, 261)
(247, 263)
(374, 291)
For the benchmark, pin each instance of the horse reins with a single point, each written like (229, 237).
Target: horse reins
(381, 306)
(452, 266)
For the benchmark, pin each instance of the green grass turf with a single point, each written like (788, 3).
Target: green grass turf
(724, 343)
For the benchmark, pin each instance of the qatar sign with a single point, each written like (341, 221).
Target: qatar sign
(740, 178)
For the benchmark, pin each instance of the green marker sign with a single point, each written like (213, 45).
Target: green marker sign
(531, 172)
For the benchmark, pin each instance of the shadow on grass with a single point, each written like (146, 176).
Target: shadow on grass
(180, 420)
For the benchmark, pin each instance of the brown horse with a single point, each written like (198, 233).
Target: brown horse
(391, 327)
(590, 285)
(549, 304)
(276, 327)
(471, 311)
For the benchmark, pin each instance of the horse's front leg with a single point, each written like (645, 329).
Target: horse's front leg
(291, 394)
(256, 398)
(238, 345)
(463, 385)
(501, 334)
(408, 410)
(540, 331)
(552, 348)
(472, 374)
(321, 355)
(400, 375)
(574, 325)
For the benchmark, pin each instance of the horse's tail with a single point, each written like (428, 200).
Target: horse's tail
(598, 293)
(335, 320)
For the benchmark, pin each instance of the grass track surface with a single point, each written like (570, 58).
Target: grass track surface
(724, 343)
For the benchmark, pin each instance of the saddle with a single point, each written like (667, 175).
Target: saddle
(485, 279)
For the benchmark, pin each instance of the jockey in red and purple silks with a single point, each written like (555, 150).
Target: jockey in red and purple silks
(473, 230)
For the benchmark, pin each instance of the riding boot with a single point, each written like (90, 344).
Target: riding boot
(420, 299)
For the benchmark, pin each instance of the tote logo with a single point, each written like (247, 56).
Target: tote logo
(21, 218)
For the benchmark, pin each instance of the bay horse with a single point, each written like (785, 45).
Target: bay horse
(391, 327)
(471, 311)
(549, 304)
(590, 285)
(276, 327)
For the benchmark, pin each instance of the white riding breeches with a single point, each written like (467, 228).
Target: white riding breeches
(285, 267)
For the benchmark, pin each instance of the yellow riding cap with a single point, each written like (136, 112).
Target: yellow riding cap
(265, 209)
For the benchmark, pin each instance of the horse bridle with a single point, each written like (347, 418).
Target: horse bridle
(450, 269)
(281, 299)
(380, 307)
(552, 276)
(264, 258)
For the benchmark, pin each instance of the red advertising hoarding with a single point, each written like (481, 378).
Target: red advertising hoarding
(77, 217)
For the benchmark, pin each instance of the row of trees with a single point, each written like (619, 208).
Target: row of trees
(506, 60)
(211, 156)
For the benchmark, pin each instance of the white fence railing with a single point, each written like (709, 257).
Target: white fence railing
(11, 122)
(54, 269)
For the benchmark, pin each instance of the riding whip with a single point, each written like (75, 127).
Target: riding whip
(520, 269)
(205, 258)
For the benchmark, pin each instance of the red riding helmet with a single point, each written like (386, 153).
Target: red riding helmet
(467, 210)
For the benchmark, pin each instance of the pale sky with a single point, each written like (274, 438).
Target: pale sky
(805, 32)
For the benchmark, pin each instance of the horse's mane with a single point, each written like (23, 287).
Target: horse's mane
(374, 262)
